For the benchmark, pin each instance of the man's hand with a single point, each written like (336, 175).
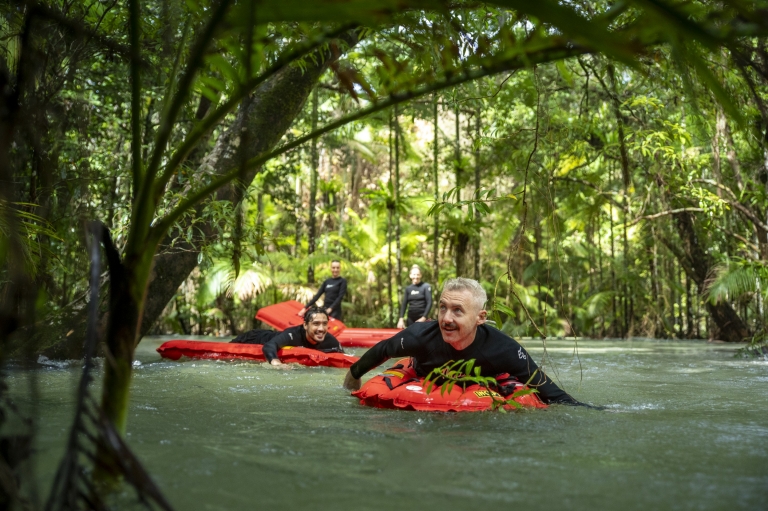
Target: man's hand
(400, 323)
(421, 320)
(328, 310)
(350, 382)
(302, 311)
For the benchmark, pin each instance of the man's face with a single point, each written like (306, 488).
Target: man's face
(335, 269)
(415, 276)
(316, 328)
(459, 318)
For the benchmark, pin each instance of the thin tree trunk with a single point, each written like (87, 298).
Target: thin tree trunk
(311, 235)
(626, 177)
(461, 238)
(614, 321)
(297, 215)
(389, 229)
(477, 235)
(398, 252)
(435, 163)
(653, 272)
(688, 309)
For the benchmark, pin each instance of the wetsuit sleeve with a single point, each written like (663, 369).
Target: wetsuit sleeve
(400, 345)
(330, 345)
(342, 291)
(428, 298)
(279, 341)
(517, 362)
(404, 303)
(317, 295)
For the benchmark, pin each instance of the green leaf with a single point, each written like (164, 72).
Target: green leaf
(503, 308)
(220, 63)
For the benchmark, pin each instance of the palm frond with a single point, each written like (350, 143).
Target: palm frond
(597, 303)
(737, 278)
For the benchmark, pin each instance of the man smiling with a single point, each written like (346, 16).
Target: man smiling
(312, 334)
(460, 334)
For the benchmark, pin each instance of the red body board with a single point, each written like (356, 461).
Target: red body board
(286, 314)
(364, 337)
(226, 351)
(399, 387)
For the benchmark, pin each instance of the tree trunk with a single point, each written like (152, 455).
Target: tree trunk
(389, 228)
(435, 155)
(697, 264)
(312, 230)
(398, 252)
(476, 237)
(461, 240)
(297, 214)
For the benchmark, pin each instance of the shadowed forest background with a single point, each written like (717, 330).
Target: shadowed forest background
(600, 167)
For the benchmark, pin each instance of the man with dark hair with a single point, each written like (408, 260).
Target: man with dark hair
(460, 334)
(312, 334)
(334, 288)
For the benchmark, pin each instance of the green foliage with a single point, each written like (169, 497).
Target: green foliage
(737, 278)
(29, 230)
(464, 373)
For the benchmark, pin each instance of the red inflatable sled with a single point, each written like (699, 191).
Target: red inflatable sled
(227, 351)
(286, 314)
(400, 387)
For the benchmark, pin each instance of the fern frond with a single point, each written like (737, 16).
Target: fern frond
(736, 279)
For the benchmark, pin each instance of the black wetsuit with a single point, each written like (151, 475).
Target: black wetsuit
(294, 336)
(494, 352)
(418, 299)
(334, 289)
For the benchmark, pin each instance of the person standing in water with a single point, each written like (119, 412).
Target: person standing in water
(417, 298)
(334, 288)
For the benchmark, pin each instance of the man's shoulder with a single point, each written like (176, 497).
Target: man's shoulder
(294, 332)
(494, 334)
(424, 330)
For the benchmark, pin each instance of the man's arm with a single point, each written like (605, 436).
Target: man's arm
(317, 295)
(403, 303)
(400, 345)
(285, 338)
(428, 296)
(517, 362)
(340, 296)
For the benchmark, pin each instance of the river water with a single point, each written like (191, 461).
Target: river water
(686, 428)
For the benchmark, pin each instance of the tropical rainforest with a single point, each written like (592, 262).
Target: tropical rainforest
(601, 167)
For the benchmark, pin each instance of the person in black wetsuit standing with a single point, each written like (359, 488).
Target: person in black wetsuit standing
(418, 298)
(312, 334)
(460, 334)
(334, 288)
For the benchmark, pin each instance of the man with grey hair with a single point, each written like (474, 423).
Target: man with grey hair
(460, 333)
